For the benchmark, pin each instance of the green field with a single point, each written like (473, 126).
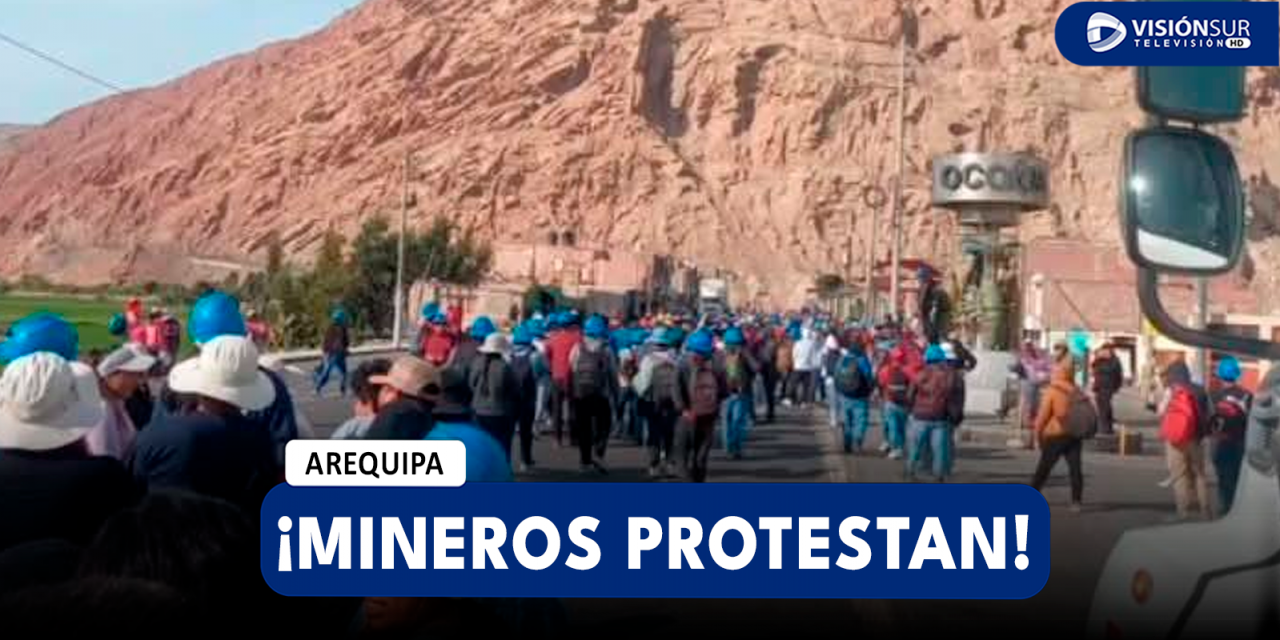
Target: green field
(90, 316)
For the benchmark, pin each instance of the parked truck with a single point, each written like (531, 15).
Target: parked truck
(713, 296)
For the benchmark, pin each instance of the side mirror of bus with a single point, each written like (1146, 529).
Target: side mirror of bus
(1183, 202)
(1183, 207)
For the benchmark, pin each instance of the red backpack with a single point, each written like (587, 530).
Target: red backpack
(437, 348)
(1181, 423)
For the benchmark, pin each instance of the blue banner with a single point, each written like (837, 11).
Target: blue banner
(897, 541)
(1170, 34)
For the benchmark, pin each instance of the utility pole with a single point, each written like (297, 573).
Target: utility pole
(1202, 321)
(895, 276)
(398, 325)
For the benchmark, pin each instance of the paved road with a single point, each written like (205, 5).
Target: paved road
(1120, 493)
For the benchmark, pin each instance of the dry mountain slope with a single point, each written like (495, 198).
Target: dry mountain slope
(736, 132)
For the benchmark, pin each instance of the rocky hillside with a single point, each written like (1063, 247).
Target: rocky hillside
(9, 135)
(742, 133)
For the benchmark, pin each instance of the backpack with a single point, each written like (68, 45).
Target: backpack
(704, 393)
(933, 394)
(851, 380)
(898, 391)
(437, 348)
(664, 387)
(784, 358)
(1081, 420)
(589, 373)
(560, 353)
(491, 392)
(1231, 412)
(735, 372)
(526, 378)
(1181, 423)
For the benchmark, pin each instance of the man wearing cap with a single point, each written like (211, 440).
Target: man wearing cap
(409, 391)
(215, 450)
(120, 376)
(50, 486)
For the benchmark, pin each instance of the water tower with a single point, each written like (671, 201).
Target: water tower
(989, 193)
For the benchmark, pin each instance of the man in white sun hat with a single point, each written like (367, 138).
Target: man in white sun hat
(50, 486)
(214, 450)
(121, 374)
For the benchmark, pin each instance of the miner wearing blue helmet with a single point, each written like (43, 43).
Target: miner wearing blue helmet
(1230, 418)
(215, 315)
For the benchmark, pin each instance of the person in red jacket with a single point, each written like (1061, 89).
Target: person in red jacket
(564, 339)
(895, 390)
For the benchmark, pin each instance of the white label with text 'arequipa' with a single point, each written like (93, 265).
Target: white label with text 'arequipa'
(375, 463)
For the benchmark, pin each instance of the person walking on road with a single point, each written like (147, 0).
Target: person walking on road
(1107, 377)
(855, 382)
(935, 404)
(495, 393)
(337, 344)
(740, 370)
(807, 355)
(1231, 406)
(1185, 414)
(707, 389)
(408, 393)
(526, 365)
(662, 400)
(895, 387)
(593, 382)
(1058, 439)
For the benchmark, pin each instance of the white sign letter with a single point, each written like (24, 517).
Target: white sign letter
(892, 526)
(971, 532)
(589, 561)
(808, 543)
(775, 527)
(860, 561)
(553, 543)
(654, 536)
(415, 555)
(932, 545)
(339, 542)
(733, 523)
(679, 544)
(482, 545)
(444, 543)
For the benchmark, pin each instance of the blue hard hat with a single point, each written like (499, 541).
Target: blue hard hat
(41, 332)
(733, 337)
(438, 317)
(118, 325)
(537, 328)
(701, 343)
(596, 327)
(214, 315)
(429, 311)
(482, 328)
(1229, 369)
(934, 354)
(522, 336)
(486, 462)
(340, 316)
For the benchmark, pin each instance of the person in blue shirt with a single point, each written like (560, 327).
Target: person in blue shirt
(855, 381)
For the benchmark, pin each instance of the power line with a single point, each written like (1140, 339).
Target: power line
(66, 67)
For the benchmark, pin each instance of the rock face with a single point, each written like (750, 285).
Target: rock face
(9, 135)
(743, 134)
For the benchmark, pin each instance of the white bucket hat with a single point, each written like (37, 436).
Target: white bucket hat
(495, 344)
(131, 358)
(226, 370)
(47, 403)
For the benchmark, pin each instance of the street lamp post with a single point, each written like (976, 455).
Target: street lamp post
(398, 319)
(908, 18)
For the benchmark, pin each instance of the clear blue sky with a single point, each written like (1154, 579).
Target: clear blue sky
(133, 43)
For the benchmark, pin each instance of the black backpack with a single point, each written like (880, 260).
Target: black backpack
(851, 380)
(589, 373)
(664, 387)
